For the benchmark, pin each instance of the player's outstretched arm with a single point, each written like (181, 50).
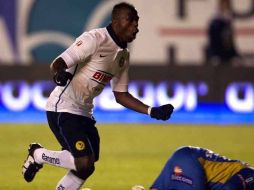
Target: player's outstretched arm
(127, 100)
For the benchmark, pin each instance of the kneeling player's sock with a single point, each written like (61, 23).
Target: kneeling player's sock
(70, 182)
(62, 159)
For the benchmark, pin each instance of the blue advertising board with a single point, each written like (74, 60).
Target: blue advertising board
(23, 102)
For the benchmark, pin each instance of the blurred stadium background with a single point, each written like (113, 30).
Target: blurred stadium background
(168, 65)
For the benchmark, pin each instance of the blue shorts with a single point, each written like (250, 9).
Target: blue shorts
(75, 133)
(181, 172)
(243, 180)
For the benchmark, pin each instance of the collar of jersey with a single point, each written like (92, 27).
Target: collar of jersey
(122, 45)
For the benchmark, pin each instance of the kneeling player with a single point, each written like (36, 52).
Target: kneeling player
(194, 168)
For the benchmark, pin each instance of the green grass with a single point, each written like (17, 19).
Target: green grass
(130, 154)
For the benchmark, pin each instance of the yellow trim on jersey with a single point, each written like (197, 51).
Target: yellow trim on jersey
(220, 172)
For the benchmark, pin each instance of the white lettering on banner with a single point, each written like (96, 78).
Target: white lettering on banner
(106, 100)
(178, 96)
(240, 97)
(39, 99)
(19, 95)
(20, 101)
(147, 88)
(184, 95)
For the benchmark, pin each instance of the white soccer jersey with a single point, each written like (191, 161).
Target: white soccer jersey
(95, 58)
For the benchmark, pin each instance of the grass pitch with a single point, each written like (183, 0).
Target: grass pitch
(130, 154)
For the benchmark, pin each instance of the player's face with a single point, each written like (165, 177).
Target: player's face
(128, 27)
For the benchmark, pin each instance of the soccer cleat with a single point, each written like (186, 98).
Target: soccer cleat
(30, 167)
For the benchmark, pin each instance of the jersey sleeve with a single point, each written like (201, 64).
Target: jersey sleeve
(119, 83)
(84, 46)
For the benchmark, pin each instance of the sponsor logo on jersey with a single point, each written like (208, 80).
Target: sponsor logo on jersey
(80, 145)
(178, 170)
(51, 160)
(178, 176)
(102, 77)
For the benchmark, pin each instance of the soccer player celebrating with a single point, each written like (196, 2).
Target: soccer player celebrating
(194, 168)
(81, 72)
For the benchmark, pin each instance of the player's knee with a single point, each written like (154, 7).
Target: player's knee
(84, 167)
(84, 172)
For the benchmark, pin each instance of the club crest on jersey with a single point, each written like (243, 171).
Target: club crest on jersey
(80, 145)
(177, 175)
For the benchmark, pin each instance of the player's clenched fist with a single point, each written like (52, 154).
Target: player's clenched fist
(162, 112)
(62, 77)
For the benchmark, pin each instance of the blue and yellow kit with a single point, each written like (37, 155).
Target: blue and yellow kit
(194, 168)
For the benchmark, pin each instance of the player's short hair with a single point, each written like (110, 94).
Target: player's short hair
(118, 8)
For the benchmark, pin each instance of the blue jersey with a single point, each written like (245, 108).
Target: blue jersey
(193, 168)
